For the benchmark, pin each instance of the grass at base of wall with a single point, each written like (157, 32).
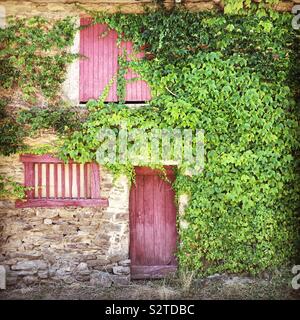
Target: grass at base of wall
(276, 287)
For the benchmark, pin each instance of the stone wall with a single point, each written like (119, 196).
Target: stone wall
(57, 9)
(61, 8)
(65, 244)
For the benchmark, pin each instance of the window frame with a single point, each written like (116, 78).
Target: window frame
(30, 201)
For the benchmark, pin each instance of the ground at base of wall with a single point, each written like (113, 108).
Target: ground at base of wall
(212, 288)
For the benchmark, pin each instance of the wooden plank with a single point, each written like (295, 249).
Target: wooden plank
(171, 229)
(46, 158)
(82, 68)
(53, 203)
(95, 181)
(63, 181)
(70, 181)
(132, 222)
(148, 171)
(47, 180)
(159, 221)
(85, 173)
(40, 180)
(55, 181)
(29, 179)
(151, 272)
(90, 59)
(140, 224)
(149, 220)
(78, 180)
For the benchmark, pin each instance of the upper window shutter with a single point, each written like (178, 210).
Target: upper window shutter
(100, 65)
(101, 62)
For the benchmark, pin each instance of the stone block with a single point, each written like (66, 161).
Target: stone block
(30, 265)
(63, 213)
(30, 280)
(47, 221)
(24, 272)
(43, 274)
(69, 279)
(97, 263)
(102, 279)
(82, 268)
(82, 272)
(47, 213)
(125, 263)
(86, 257)
(2, 278)
(11, 280)
(120, 270)
(121, 280)
(106, 268)
(11, 262)
(118, 257)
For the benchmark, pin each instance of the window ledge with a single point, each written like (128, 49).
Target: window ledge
(129, 105)
(54, 203)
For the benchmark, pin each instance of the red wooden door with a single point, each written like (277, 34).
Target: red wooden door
(153, 231)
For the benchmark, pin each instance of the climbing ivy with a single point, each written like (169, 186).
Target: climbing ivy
(241, 6)
(11, 132)
(34, 55)
(236, 77)
(9, 189)
(60, 118)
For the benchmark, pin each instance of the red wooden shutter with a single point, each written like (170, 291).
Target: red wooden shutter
(99, 46)
(52, 183)
(101, 62)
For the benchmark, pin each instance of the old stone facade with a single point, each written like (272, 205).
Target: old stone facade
(65, 244)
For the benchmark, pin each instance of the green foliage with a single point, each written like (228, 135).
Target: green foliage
(169, 38)
(83, 144)
(236, 78)
(9, 189)
(61, 119)
(34, 55)
(242, 213)
(43, 149)
(241, 6)
(11, 133)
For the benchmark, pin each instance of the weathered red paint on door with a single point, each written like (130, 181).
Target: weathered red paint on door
(153, 231)
(98, 45)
